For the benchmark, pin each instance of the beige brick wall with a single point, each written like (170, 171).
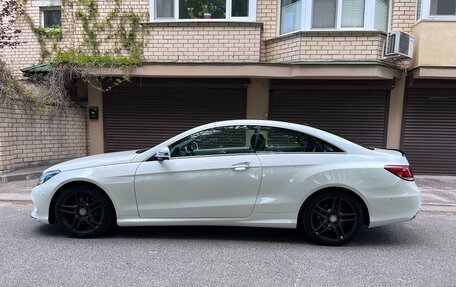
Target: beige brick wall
(218, 41)
(27, 140)
(318, 46)
(202, 42)
(403, 15)
(267, 15)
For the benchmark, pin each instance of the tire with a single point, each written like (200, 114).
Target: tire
(332, 218)
(84, 211)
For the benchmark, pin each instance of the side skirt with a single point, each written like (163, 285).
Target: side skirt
(274, 220)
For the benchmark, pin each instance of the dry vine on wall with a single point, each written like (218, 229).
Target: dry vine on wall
(119, 30)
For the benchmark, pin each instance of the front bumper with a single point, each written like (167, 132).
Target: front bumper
(41, 199)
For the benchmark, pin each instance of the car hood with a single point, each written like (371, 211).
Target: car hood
(96, 160)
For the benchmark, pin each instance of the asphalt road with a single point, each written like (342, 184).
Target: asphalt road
(417, 253)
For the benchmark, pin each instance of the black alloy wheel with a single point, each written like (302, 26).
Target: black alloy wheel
(332, 218)
(84, 211)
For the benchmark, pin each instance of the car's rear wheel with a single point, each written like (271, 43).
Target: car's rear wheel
(84, 211)
(332, 218)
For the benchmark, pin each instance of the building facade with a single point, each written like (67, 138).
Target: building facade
(306, 61)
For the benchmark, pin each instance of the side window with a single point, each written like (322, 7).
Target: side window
(215, 141)
(284, 140)
(327, 147)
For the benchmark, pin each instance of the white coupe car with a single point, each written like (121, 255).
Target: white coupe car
(236, 173)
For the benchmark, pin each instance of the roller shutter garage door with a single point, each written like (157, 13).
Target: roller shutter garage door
(429, 130)
(356, 110)
(147, 112)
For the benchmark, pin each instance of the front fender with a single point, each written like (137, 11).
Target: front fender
(117, 181)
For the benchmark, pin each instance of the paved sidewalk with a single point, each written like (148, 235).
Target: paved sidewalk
(23, 174)
(438, 192)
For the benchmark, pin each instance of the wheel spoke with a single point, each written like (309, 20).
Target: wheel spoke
(335, 230)
(318, 212)
(321, 209)
(324, 229)
(90, 223)
(319, 226)
(94, 204)
(96, 222)
(80, 219)
(73, 223)
(69, 209)
(347, 217)
(334, 204)
(339, 225)
(77, 195)
(94, 209)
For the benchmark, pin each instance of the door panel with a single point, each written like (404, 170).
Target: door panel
(206, 186)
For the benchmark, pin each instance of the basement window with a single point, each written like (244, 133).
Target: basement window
(51, 17)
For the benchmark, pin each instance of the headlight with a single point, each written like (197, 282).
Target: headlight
(48, 175)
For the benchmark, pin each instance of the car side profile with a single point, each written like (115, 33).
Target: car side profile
(234, 173)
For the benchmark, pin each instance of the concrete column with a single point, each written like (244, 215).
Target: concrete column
(96, 136)
(395, 114)
(258, 99)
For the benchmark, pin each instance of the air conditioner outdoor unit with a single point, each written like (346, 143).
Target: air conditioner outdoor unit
(399, 45)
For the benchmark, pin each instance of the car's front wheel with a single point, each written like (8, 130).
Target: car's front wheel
(332, 218)
(84, 211)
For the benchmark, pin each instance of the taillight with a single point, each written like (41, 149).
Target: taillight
(402, 171)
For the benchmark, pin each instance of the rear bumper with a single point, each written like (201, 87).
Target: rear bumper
(394, 205)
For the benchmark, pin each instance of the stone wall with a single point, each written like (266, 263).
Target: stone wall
(28, 140)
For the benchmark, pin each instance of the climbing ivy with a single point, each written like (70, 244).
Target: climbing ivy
(44, 36)
(120, 29)
(109, 39)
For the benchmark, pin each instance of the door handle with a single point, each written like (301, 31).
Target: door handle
(240, 166)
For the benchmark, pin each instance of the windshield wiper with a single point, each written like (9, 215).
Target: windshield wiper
(141, 150)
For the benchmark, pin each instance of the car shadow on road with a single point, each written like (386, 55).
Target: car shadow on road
(387, 235)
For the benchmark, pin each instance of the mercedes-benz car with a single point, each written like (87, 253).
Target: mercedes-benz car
(234, 173)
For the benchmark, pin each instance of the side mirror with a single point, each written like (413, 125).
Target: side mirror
(162, 154)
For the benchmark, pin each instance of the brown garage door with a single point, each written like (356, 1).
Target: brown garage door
(429, 130)
(356, 110)
(147, 112)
